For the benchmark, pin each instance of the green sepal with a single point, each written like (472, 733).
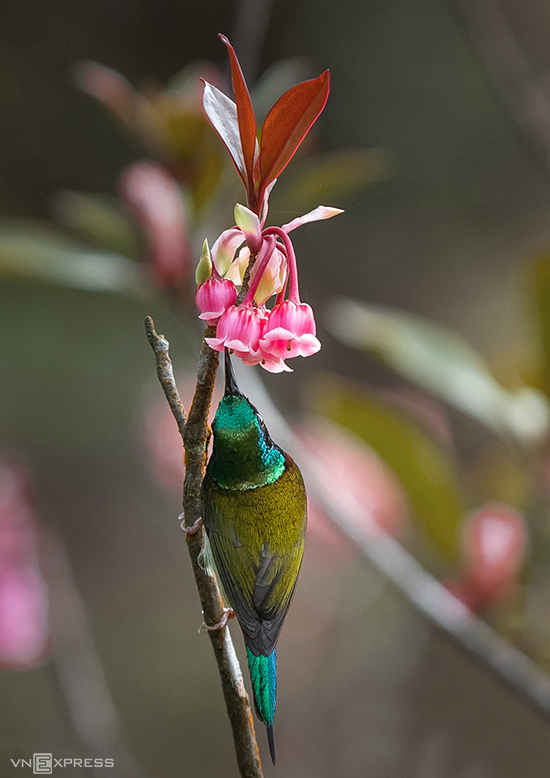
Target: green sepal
(204, 268)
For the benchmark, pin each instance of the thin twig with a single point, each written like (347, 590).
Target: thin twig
(521, 93)
(194, 433)
(506, 663)
(79, 671)
(165, 374)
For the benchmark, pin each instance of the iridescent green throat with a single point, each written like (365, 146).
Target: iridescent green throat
(243, 456)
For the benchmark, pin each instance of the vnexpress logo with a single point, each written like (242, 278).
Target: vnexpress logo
(42, 764)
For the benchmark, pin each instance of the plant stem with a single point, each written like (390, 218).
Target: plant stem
(194, 432)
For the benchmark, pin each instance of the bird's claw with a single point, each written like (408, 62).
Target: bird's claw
(228, 613)
(188, 531)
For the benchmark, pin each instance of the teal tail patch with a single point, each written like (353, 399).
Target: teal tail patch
(263, 674)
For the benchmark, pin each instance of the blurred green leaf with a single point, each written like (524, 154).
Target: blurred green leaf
(186, 84)
(425, 468)
(540, 277)
(502, 475)
(30, 250)
(279, 78)
(97, 218)
(442, 362)
(330, 176)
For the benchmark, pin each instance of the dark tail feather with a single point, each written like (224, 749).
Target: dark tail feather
(271, 741)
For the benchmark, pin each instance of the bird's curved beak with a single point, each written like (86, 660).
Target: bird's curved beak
(231, 388)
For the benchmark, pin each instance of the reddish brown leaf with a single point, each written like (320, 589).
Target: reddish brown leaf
(245, 114)
(288, 123)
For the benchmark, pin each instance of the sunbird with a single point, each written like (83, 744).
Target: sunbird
(254, 510)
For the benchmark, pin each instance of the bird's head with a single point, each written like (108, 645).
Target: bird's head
(242, 444)
(236, 417)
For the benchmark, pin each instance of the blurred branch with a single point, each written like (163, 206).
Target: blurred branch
(250, 32)
(523, 96)
(79, 671)
(194, 433)
(507, 664)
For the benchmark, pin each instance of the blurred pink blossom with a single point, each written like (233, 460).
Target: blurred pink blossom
(356, 479)
(155, 199)
(494, 544)
(24, 632)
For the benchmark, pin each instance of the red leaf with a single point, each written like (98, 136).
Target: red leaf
(221, 112)
(245, 114)
(287, 124)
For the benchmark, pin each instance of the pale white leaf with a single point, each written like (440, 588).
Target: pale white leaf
(221, 111)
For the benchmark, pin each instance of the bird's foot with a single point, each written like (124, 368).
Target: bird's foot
(228, 613)
(188, 531)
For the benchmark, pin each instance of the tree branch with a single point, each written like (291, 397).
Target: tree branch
(507, 664)
(78, 668)
(194, 433)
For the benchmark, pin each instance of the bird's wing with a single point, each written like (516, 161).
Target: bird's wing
(275, 583)
(257, 546)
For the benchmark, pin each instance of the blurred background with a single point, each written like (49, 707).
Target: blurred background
(430, 391)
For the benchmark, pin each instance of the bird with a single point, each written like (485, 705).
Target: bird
(254, 511)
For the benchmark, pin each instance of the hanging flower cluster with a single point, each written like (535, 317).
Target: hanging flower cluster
(257, 259)
(251, 331)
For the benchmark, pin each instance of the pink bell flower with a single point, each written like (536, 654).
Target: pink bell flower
(239, 329)
(269, 363)
(290, 331)
(213, 297)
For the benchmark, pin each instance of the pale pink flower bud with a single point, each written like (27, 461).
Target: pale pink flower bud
(249, 223)
(238, 267)
(214, 297)
(239, 329)
(273, 277)
(223, 255)
(290, 331)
